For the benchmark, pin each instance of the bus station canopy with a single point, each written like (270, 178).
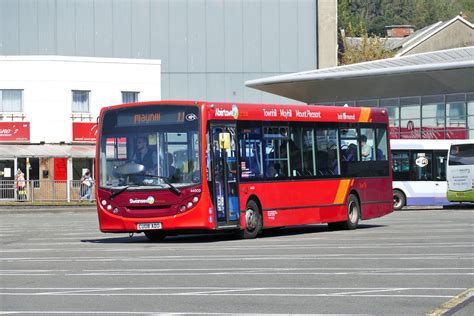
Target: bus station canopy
(47, 150)
(439, 72)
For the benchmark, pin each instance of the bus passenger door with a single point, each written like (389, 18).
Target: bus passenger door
(225, 175)
(439, 176)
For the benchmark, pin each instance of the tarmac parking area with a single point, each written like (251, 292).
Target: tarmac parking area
(407, 263)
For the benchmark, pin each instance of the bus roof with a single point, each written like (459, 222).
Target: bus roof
(275, 112)
(462, 142)
(426, 144)
(281, 112)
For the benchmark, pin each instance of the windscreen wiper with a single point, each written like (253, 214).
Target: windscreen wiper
(114, 193)
(166, 180)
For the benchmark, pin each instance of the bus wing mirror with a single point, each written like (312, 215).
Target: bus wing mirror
(224, 141)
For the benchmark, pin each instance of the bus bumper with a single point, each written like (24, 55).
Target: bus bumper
(192, 219)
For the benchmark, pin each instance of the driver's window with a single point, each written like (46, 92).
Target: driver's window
(116, 148)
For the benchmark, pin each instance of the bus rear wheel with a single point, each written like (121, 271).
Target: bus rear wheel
(155, 235)
(399, 200)
(353, 215)
(253, 221)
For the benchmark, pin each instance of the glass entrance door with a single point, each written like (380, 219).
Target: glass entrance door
(224, 166)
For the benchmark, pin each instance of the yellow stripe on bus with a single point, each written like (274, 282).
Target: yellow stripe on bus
(364, 115)
(342, 191)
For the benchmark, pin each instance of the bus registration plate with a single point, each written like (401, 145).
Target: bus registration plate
(148, 226)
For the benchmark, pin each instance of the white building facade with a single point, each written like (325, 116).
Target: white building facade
(49, 108)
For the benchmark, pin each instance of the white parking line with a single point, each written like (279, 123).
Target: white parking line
(143, 313)
(232, 293)
(227, 291)
(138, 246)
(342, 257)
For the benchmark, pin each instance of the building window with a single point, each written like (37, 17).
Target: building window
(129, 96)
(80, 101)
(470, 113)
(368, 103)
(79, 166)
(410, 118)
(392, 106)
(456, 116)
(433, 117)
(343, 103)
(11, 100)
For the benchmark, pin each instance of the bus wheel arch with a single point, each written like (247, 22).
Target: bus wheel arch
(399, 199)
(253, 218)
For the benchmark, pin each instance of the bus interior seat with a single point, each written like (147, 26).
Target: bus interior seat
(350, 153)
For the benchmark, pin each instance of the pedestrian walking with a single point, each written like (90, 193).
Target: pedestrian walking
(86, 185)
(20, 185)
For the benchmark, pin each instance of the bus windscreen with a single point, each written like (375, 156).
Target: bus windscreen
(150, 146)
(461, 155)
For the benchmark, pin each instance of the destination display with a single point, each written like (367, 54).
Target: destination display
(156, 116)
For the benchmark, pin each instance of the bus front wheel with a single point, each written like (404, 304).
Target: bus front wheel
(253, 221)
(155, 235)
(399, 200)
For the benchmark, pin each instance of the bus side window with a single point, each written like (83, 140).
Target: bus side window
(367, 144)
(250, 152)
(327, 162)
(381, 148)
(422, 163)
(349, 145)
(440, 158)
(401, 165)
(302, 156)
(278, 149)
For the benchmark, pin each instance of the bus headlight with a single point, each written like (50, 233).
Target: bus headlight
(189, 204)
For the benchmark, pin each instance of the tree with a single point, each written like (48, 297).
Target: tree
(467, 8)
(367, 19)
(376, 14)
(367, 47)
(432, 11)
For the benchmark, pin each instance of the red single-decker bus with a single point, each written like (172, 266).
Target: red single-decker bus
(178, 166)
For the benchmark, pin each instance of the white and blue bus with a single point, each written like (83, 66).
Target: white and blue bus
(460, 171)
(419, 172)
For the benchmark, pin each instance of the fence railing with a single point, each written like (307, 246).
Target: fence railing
(45, 190)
